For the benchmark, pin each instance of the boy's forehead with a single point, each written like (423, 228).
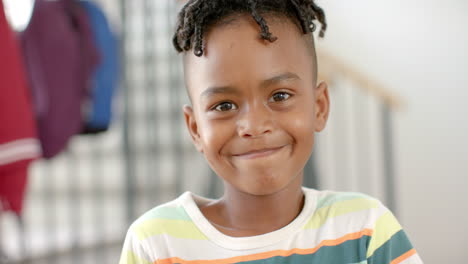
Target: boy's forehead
(245, 22)
(234, 51)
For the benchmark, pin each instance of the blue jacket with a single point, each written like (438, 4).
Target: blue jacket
(106, 78)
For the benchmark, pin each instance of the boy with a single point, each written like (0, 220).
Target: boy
(250, 70)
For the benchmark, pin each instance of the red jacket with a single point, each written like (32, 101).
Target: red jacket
(18, 140)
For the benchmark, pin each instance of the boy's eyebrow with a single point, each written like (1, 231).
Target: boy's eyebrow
(287, 76)
(219, 90)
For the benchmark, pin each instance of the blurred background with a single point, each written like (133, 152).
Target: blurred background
(398, 76)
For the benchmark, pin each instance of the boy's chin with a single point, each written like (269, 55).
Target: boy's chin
(262, 191)
(267, 188)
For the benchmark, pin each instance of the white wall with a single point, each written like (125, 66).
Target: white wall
(419, 49)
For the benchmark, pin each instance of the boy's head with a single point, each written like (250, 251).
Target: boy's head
(250, 70)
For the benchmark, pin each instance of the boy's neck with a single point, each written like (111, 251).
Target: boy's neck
(240, 214)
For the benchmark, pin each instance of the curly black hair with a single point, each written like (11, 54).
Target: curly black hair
(197, 15)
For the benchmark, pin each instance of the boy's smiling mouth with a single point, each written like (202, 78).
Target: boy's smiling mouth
(259, 152)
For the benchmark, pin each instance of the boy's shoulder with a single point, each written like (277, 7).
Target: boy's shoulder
(173, 218)
(172, 210)
(339, 201)
(168, 218)
(344, 207)
(329, 198)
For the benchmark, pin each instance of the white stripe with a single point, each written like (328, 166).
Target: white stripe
(414, 259)
(19, 150)
(133, 245)
(332, 229)
(17, 142)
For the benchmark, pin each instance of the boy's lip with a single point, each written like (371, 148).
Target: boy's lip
(258, 153)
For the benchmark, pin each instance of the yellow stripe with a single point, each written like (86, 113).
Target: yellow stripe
(339, 208)
(385, 227)
(128, 257)
(175, 228)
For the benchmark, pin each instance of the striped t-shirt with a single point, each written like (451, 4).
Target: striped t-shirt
(332, 228)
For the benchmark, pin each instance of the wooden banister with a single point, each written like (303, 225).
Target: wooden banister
(330, 66)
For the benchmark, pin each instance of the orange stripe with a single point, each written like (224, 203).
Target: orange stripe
(270, 254)
(404, 256)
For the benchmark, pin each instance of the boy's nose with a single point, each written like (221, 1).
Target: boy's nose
(255, 121)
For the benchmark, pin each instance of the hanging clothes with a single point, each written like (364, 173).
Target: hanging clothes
(105, 80)
(18, 139)
(60, 56)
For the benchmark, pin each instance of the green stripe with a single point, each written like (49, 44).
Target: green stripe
(351, 251)
(167, 212)
(338, 197)
(396, 246)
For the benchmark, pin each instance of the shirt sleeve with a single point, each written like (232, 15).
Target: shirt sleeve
(389, 243)
(133, 252)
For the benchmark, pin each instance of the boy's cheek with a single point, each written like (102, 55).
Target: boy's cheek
(300, 122)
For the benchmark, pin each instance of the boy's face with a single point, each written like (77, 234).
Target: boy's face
(256, 105)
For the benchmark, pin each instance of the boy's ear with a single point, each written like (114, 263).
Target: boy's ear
(192, 127)
(322, 106)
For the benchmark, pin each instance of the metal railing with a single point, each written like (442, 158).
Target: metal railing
(355, 152)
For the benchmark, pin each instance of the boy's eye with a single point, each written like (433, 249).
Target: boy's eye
(225, 106)
(281, 96)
